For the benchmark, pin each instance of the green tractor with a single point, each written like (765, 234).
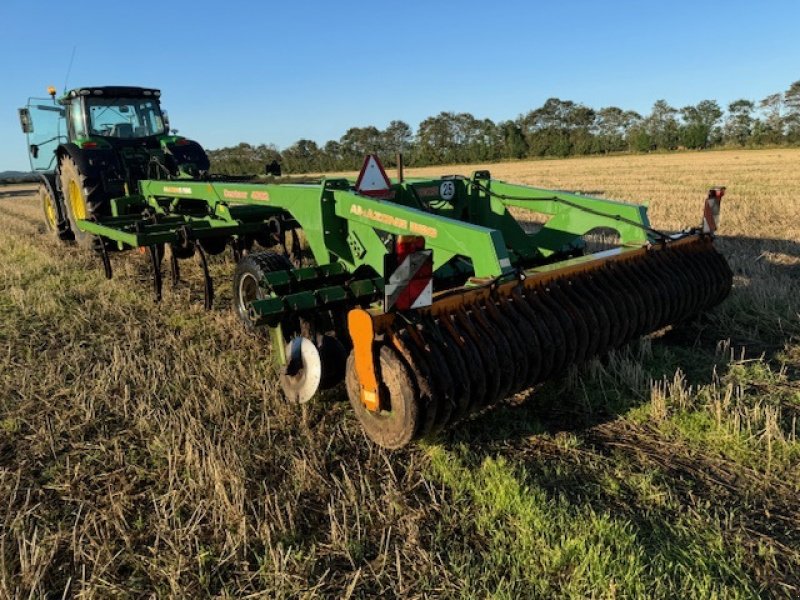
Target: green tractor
(96, 143)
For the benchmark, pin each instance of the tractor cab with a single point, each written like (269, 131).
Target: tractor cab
(97, 143)
(126, 122)
(114, 114)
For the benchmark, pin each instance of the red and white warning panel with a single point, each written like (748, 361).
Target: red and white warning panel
(372, 180)
(711, 210)
(408, 281)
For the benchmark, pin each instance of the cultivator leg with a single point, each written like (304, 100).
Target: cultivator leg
(155, 254)
(208, 284)
(410, 378)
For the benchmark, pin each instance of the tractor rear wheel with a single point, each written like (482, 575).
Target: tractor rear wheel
(247, 281)
(81, 200)
(56, 226)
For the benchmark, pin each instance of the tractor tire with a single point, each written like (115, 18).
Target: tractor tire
(247, 281)
(52, 209)
(82, 201)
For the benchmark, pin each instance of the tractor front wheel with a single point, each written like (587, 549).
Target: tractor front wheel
(56, 225)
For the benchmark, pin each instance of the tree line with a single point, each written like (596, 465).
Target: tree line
(558, 128)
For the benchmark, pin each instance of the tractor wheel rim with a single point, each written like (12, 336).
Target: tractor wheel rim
(76, 201)
(248, 291)
(49, 211)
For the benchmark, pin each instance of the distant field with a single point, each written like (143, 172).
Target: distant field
(145, 450)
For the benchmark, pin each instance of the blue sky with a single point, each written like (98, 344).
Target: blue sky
(274, 72)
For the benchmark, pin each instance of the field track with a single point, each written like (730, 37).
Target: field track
(145, 450)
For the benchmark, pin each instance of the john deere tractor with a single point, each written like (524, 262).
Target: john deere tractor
(96, 143)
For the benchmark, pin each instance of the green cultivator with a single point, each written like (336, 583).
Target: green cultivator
(426, 296)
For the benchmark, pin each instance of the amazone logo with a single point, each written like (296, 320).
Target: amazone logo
(171, 189)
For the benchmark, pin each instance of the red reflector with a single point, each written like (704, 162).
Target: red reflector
(182, 142)
(89, 145)
(406, 244)
(403, 301)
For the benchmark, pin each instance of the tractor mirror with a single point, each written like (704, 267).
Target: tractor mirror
(25, 120)
(274, 168)
(34, 151)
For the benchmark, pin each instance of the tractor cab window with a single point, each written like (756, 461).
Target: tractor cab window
(46, 130)
(125, 118)
(77, 120)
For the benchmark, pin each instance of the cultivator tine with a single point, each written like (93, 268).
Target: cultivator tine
(155, 263)
(174, 269)
(208, 284)
(100, 245)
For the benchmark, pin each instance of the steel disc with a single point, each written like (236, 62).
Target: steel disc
(301, 376)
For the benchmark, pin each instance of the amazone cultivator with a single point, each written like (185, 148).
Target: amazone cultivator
(426, 296)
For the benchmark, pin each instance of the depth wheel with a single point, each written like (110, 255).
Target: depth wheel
(82, 201)
(396, 426)
(247, 281)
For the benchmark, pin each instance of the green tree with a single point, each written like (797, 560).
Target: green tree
(662, 126)
(397, 137)
(739, 123)
(301, 157)
(559, 128)
(357, 142)
(513, 144)
(769, 129)
(791, 101)
(612, 127)
(700, 124)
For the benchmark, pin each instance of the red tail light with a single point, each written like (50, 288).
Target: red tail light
(406, 244)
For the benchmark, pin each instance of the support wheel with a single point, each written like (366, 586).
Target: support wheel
(396, 425)
(83, 201)
(247, 281)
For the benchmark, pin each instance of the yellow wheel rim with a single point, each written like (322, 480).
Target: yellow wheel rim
(76, 202)
(49, 211)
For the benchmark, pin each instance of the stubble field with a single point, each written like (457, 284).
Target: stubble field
(146, 451)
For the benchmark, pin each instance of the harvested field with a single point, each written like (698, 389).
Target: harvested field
(146, 450)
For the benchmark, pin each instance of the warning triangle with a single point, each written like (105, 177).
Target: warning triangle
(372, 180)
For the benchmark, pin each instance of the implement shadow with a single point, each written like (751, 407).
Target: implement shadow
(568, 437)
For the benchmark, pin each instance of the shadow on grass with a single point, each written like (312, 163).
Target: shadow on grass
(567, 438)
(16, 193)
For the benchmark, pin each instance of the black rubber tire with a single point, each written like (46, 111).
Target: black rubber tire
(90, 200)
(52, 208)
(213, 245)
(333, 356)
(397, 427)
(247, 281)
